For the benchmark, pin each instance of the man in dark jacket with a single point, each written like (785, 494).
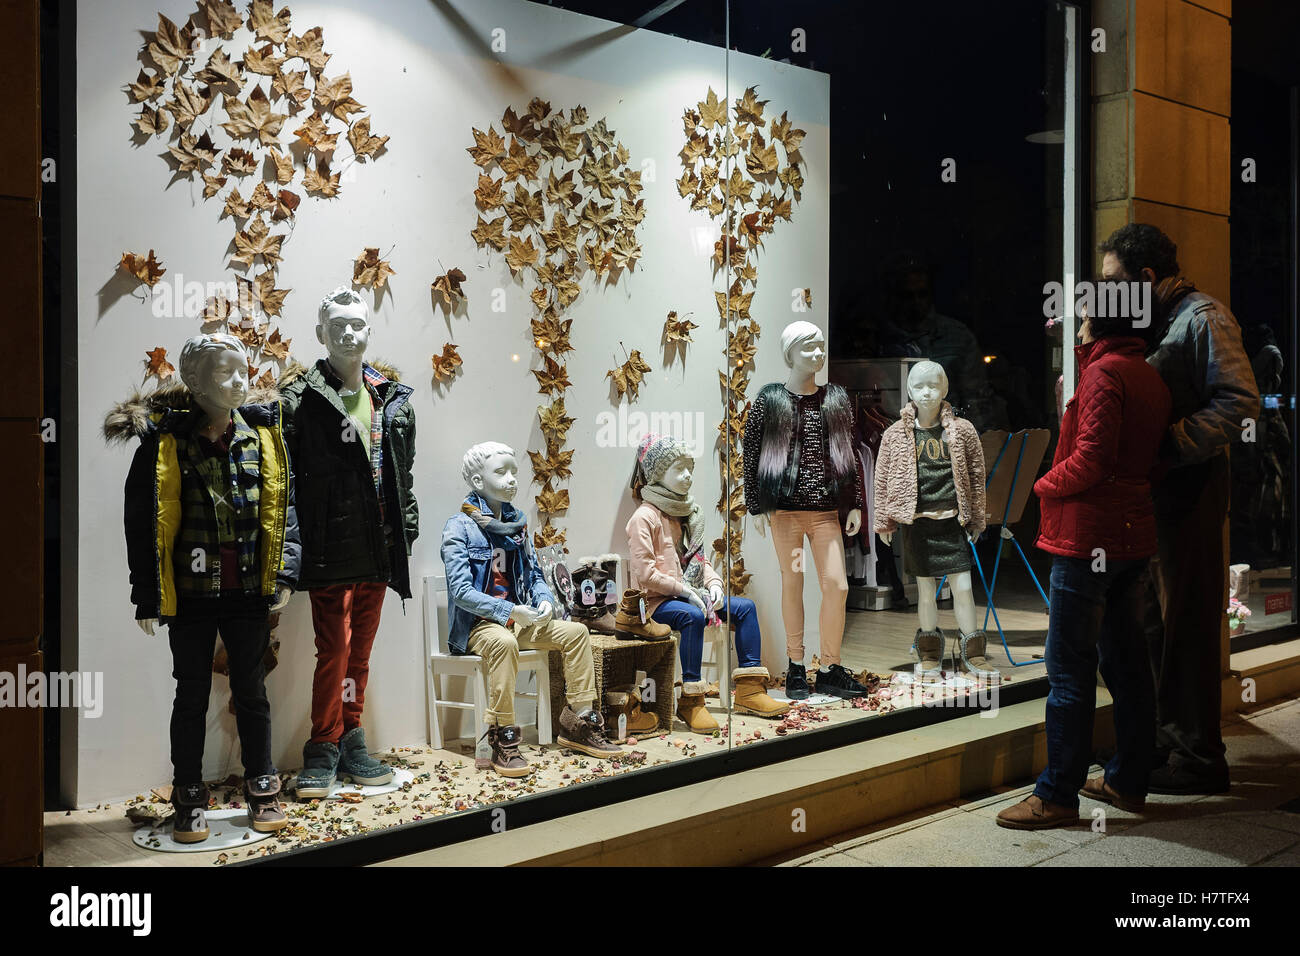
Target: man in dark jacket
(1197, 351)
(351, 436)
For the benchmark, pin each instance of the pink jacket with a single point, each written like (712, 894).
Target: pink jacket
(895, 493)
(652, 538)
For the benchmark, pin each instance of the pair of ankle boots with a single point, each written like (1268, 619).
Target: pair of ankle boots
(968, 654)
(750, 684)
(261, 799)
(324, 763)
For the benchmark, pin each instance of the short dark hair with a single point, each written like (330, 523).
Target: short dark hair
(1100, 326)
(1139, 246)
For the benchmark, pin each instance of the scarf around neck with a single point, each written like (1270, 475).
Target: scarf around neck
(691, 551)
(511, 527)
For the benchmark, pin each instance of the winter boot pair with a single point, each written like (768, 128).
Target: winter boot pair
(968, 654)
(624, 703)
(323, 763)
(595, 593)
(632, 623)
(751, 693)
(261, 798)
(691, 710)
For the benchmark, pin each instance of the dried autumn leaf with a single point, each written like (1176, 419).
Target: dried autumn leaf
(319, 180)
(524, 127)
(561, 191)
(211, 184)
(487, 146)
(262, 199)
(445, 365)
(283, 163)
(678, 330)
(519, 162)
(145, 268)
(548, 467)
(554, 421)
(218, 309)
(490, 232)
(448, 286)
(525, 208)
(363, 144)
(263, 62)
(336, 96)
(158, 366)
(170, 46)
(236, 205)
(749, 108)
(712, 111)
(250, 333)
(553, 378)
(238, 162)
(292, 85)
(739, 577)
(522, 253)
(221, 71)
(260, 294)
(553, 501)
(146, 87)
(551, 334)
(628, 376)
(761, 160)
(547, 535)
(254, 118)
(369, 269)
(488, 194)
(267, 25)
(192, 153)
(315, 133)
(626, 250)
(223, 19)
(310, 49)
(286, 204)
(276, 348)
(257, 240)
(151, 122)
(742, 348)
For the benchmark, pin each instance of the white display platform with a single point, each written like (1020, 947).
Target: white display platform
(950, 679)
(400, 777)
(229, 831)
(813, 699)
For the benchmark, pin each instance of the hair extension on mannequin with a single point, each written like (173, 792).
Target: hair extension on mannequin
(778, 467)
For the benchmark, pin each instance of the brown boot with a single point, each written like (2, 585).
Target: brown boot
(927, 651)
(262, 796)
(751, 693)
(691, 709)
(625, 702)
(1033, 813)
(585, 733)
(506, 758)
(631, 623)
(1098, 789)
(970, 650)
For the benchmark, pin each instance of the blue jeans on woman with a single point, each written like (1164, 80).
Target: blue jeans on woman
(1096, 621)
(689, 622)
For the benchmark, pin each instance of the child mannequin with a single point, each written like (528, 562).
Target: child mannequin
(665, 539)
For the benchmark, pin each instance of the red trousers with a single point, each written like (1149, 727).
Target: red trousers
(345, 617)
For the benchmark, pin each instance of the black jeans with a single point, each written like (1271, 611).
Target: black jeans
(1096, 621)
(193, 641)
(1186, 624)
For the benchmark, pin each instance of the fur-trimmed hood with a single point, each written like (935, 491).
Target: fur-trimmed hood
(296, 370)
(133, 418)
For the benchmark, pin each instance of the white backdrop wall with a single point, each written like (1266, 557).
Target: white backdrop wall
(427, 75)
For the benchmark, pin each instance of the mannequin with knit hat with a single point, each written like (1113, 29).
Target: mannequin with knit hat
(665, 538)
(801, 474)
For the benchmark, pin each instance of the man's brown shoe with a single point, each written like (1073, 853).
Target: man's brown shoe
(1033, 813)
(631, 623)
(1098, 789)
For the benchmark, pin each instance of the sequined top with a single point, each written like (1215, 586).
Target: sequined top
(809, 443)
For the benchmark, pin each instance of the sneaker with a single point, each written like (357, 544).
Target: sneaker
(796, 682)
(1035, 813)
(1178, 778)
(506, 758)
(585, 733)
(1098, 789)
(189, 822)
(262, 794)
(837, 681)
(319, 762)
(356, 764)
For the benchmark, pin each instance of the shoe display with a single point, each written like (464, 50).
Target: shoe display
(1034, 813)
(189, 821)
(320, 760)
(356, 764)
(751, 693)
(506, 758)
(837, 681)
(632, 624)
(625, 702)
(585, 733)
(796, 682)
(691, 709)
(927, 652)
(262, 795)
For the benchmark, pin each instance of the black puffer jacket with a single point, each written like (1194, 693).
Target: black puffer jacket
(343, 539)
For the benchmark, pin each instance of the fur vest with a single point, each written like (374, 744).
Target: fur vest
(895, 492)
(775, 464)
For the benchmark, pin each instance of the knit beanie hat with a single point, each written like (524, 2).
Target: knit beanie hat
(654, 456)
(794, 334)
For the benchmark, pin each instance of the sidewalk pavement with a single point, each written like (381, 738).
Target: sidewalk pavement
(1257, 823)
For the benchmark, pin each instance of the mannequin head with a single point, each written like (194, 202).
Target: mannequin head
(927, 385)
(665, 461)
(343, 326)
(215, 370)
(804, 347)
(490, 469)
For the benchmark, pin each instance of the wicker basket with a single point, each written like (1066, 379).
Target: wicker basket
(616, 662)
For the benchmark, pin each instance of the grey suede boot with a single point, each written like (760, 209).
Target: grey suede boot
(971, 650)
(319, 761)
(356, 764)
(927, 651)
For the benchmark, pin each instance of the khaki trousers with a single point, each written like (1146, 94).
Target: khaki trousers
(500, 646)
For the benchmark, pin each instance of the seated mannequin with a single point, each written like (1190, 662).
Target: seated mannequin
(665, 539)
(500, 604)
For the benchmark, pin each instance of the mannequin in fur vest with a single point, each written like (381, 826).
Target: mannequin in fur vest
(930, 481)
(665, 540)
(800, 475)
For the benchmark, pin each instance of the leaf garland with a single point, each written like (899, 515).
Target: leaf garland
(257, 75)
(556, 196)
(735, 171)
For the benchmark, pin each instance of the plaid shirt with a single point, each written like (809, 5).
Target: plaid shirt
(219, 506)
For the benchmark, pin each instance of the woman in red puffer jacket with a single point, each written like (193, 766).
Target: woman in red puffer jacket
(1099, 521)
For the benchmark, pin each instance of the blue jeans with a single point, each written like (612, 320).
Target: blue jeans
(1096, 621)
(689, 621)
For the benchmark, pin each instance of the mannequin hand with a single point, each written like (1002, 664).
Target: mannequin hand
(524, 615)
(693, 596)
(545, 612)
(715, 596)
(760, 523)
(853, 522)
(147, 624)
(886, 536)
(282, 595)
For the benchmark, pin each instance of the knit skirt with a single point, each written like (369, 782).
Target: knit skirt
(935, 547)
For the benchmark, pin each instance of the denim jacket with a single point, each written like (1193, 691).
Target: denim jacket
(467, 557)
